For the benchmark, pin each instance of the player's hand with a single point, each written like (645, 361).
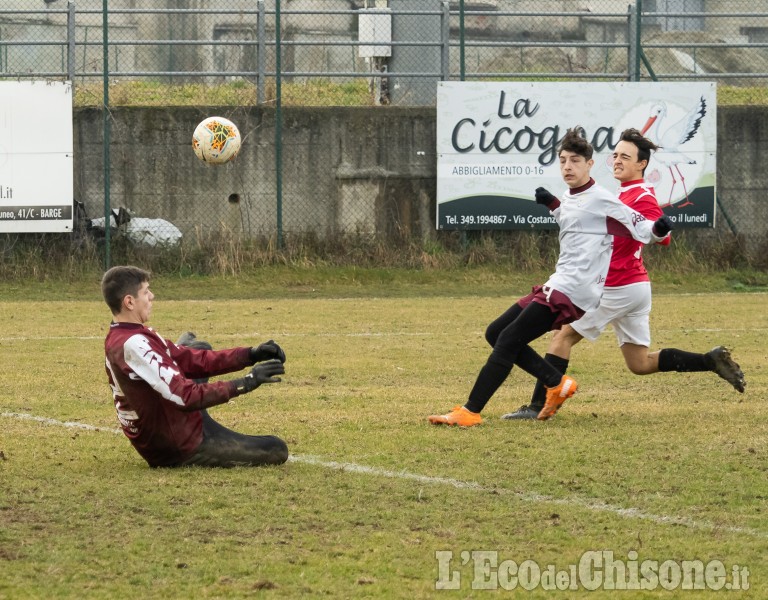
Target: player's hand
(267, 351)
(544, 197)
(662, 226)
(265, 372)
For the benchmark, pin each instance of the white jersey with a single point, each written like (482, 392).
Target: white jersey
(588, 217)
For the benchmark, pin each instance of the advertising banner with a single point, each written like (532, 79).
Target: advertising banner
(36, 164)
(497, 142)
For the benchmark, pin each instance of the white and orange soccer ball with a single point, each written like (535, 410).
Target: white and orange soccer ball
(216, 140)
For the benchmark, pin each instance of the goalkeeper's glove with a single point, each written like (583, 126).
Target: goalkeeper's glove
(662, 226)
(544, 197)
(266, 351)
(265, 372)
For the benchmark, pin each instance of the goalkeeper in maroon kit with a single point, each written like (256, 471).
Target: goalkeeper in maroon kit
(161, 389)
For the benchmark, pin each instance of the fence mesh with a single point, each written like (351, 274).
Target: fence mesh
(237, 58)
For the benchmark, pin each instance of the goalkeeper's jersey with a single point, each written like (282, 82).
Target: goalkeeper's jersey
(158, 404)
(588, 217)
(626, 261)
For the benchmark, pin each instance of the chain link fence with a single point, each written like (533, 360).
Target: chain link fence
(311, 170)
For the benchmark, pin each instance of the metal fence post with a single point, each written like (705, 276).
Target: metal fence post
(107, 132)
(633, 56)
(262, 46)
(638, 36)
(71, 41)
(445, 34)
(278, 127)
(461, 40)
(462, 71)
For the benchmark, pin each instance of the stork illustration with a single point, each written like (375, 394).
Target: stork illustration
(669, 139)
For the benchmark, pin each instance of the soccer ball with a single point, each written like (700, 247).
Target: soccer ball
(216, 140)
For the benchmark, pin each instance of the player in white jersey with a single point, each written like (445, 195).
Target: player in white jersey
(588, 217)
(626, 300)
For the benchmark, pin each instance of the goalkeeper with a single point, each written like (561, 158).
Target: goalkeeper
(161, 389)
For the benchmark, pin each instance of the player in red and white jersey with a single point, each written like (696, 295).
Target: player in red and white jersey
(161, 392)
(627, 265)
(588, 216)
(626, 299)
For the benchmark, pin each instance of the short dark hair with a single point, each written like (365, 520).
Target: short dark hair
(643, 144)
(119, 282)
(574, 141)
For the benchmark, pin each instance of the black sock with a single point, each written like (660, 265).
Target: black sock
(491, 376)
(510, 348)
(533, 364)
(540, 391)
(672, 359)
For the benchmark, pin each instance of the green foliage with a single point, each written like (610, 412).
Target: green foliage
(224, 253)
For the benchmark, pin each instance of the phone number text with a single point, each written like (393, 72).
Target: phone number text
(476, 219)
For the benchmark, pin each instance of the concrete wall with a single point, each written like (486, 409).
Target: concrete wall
(345, 169)
(742, 180)
(368, 170)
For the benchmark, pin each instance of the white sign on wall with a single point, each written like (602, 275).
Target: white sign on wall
(497, 142)
(36, 161)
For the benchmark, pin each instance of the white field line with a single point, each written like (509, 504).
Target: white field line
(247, 334)
(360, 334)
(520, 293)
(532, 497)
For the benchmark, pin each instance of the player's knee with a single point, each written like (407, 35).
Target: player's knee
(491, 335)
(500, 356)
(566, 337)
(278, 452)
(639, 368)
(635, 370)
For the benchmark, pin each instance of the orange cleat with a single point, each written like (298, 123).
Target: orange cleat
(556, 396)
(458, 416)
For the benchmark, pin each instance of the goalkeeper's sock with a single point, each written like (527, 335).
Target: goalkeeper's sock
(672, 359)
(539, 395)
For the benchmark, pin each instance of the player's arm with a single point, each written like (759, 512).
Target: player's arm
(624, 221)
(197, 363)
(147, 360)
(196, 396)
(551, 202)
(648, 206)
(544, 197)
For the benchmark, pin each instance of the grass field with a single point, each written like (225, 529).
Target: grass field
(670, 467)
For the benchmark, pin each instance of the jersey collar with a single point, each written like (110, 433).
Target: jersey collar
(122, 325)
(582, 188)
(627, 184)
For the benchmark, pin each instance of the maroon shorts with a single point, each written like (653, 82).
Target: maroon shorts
(557, 302)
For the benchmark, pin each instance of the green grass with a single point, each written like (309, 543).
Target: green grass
(742, 96)
(370, 355)
(307, 282)
(317, 92)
